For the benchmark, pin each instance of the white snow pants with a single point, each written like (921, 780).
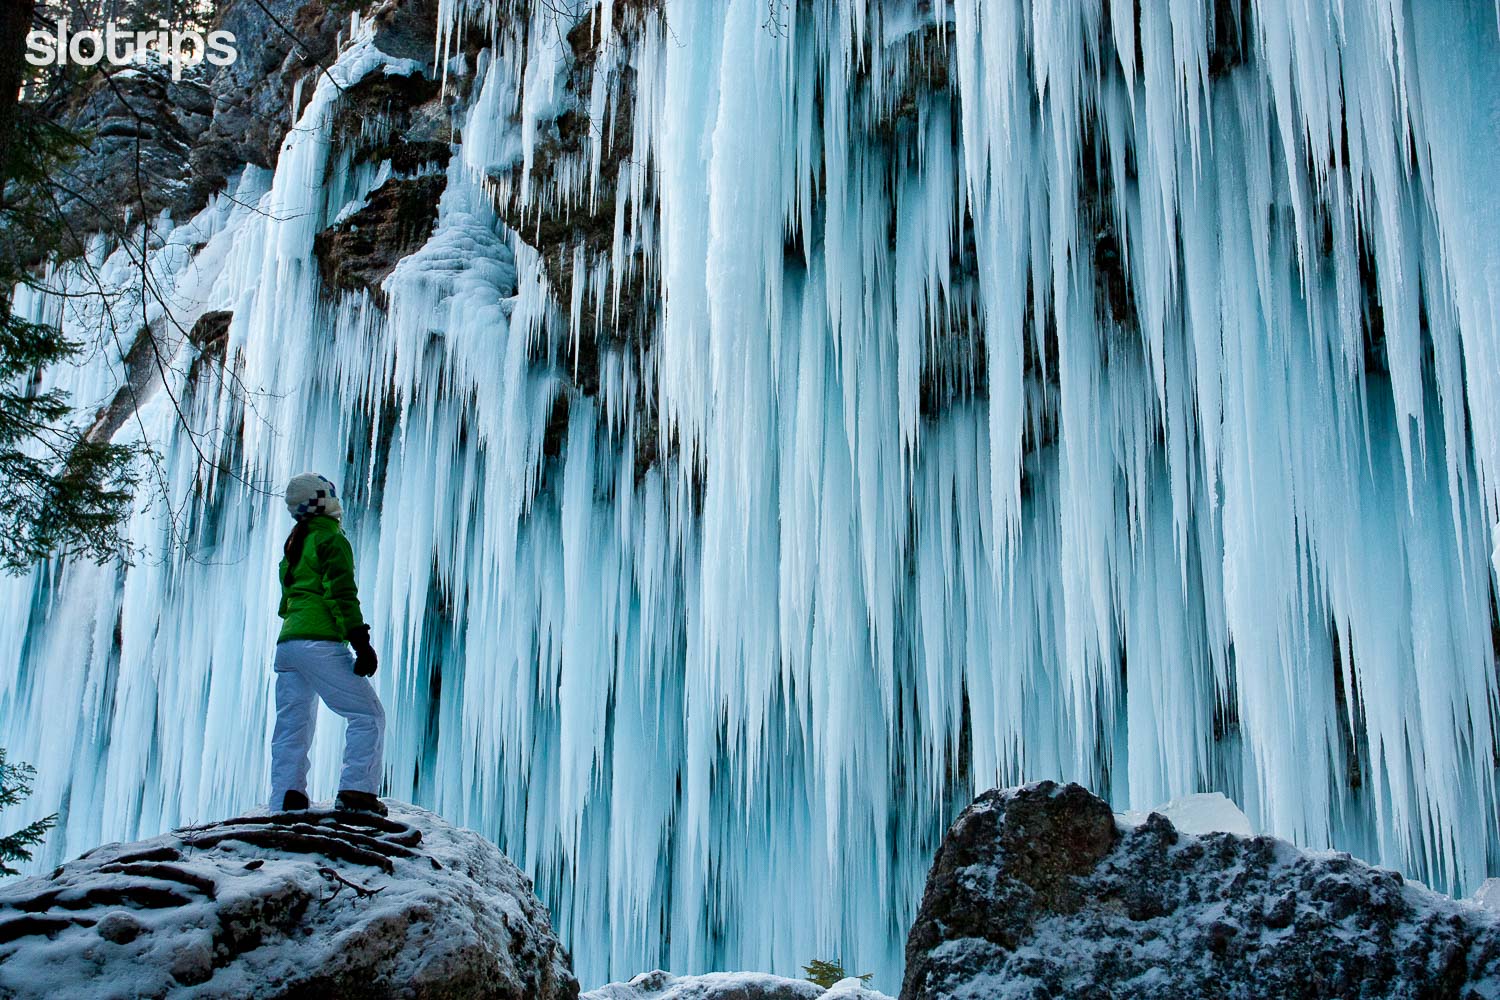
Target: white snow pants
(309, 669)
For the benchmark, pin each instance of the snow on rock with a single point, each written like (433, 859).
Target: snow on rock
(1204, 812)
(1037, 891)
(729, 986)
(1488, 894)
(323, 903)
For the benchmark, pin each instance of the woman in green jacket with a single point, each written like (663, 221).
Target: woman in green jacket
(321, 620)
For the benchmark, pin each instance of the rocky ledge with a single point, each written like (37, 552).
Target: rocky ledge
(1036, 892)
(1041, 891)
(729, 986)
(274, 906)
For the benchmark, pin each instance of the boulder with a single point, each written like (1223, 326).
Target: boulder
(1040, 892)
(274, 906)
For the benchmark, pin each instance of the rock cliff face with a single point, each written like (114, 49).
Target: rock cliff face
(155, 143)
(1040, 892)
(322, 904)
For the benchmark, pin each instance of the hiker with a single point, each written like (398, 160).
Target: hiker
(320, 615)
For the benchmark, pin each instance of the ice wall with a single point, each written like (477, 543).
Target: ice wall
(962, 393)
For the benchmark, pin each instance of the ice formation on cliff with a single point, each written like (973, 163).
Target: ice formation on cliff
(1037, 390)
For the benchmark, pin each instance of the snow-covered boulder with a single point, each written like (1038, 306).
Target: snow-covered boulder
(1040, 891)
(319, 904)
(729, 986)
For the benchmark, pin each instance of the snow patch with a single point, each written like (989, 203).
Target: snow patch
(1488, 894)
(1200, 813)
(661, 985)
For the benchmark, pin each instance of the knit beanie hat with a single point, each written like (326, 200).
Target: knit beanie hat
(310, 494)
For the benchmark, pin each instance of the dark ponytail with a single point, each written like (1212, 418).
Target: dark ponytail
(293, 548)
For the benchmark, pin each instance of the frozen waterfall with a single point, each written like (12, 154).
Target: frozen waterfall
(954, 393)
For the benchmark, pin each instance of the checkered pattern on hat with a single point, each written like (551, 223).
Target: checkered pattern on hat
(310, 494)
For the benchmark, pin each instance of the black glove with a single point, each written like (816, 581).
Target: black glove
(365, 661)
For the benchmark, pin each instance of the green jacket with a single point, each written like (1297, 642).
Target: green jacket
(318, 598)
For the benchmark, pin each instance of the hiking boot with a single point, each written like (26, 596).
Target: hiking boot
(365, 802)
(294, 801)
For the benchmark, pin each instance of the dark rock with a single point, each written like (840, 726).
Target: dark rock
(1220, 934)
(211, 331)
(146, 359)
(118, 927)
(192, 963)
(141, 363)
(161, 144)
(1015, 853)
(358, 253)
(283, 42)
(1036, 893)
(1281, 911)
(139, 130)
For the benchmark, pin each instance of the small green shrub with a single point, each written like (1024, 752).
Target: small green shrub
(825, 974)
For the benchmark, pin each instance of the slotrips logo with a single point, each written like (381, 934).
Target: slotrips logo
(181, 48)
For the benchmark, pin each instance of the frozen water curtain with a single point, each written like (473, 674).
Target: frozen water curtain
(804, 415)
